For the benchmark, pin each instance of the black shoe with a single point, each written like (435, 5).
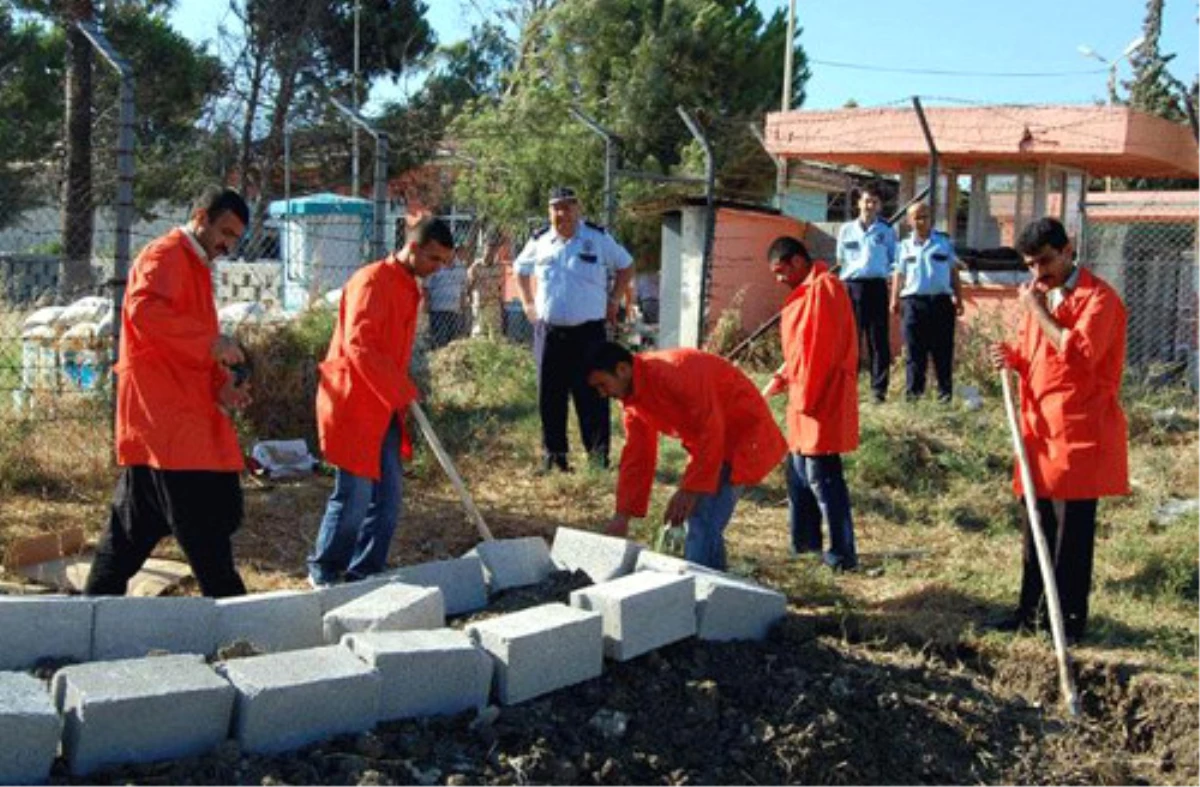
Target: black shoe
(551, 463)
(1017, 622)
(879, 398)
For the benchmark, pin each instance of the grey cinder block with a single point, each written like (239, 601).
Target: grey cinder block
(44, 627)
(461, 582)
(727, 607)
(541, 649)
(393, 607)
(129, 627)
(642, 611)
(514, 562)
(140, 710)
(271, 622)
(29, 727)
(599, 556)
(335, 596)
(425, 673)
(285, 700)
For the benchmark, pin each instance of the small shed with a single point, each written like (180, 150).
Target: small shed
(323, 239)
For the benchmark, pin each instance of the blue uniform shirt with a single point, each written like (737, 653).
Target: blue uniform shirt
(572, 275)
(866, 254)
(927, 268)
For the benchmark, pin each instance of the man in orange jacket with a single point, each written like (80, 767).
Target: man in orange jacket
(175, 391)
(714, 410)
(362, 396)
(820, 351)
(1069, 356)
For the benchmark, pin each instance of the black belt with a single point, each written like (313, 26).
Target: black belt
(571, 328)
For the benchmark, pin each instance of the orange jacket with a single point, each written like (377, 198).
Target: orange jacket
(1071, 419)
(364, 378)
(167, 379)
(714, 410)
(820, 352)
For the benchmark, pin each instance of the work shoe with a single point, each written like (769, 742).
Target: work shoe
(1013, 623)
(552, 462)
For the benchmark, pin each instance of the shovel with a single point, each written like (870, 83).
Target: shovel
(447, 465)
(1070, 695)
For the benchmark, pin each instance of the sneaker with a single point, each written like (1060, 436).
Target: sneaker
(318, 584)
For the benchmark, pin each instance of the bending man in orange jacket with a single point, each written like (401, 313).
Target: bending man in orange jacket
(362, 395)
(175, 390)
(714, 410)
(1069, 355)
(820, 352)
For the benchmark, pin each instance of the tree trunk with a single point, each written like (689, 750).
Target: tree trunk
(77, 209)
(256, 79)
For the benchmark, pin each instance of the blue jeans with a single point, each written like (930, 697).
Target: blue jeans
(705, 542)
(360, 519)
(816, 489)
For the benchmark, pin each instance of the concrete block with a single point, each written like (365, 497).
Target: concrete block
(425, 673)
(541, 649)
(44, 627)
(642, 611)
(514, 562)
(727, 607)
(285, 700)
(271, 622)
(393, 607)
(129, 628)
(30, 728)
(335, 596)
(140, 710)
(461, 582)
(599, 556)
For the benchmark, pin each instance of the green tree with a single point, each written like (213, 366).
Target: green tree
(1154, 89)
(629, 64)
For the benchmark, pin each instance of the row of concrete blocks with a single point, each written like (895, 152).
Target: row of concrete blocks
(171, 706)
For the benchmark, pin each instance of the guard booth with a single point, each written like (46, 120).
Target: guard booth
(323, 239)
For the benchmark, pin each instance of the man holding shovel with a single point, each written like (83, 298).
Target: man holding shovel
(714, 410)
(362, 395)
(1069, 356)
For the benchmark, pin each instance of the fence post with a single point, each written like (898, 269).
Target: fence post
(710, 221)
(378, 244)
(125, 175)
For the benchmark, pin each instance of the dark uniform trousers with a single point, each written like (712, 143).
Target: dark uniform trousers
(870, 300)
(201, 508)
(1072, 544)
(927, 322)
(561, 353)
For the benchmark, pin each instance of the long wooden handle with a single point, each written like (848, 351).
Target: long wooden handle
(447, 465)
(1067, 681)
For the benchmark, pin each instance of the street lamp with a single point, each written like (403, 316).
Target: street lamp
(1130, 48)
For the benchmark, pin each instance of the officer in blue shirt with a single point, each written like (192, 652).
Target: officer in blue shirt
(571, 260)
(866, 254)
(927, 294)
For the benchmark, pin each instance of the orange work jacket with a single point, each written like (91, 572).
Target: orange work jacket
(820, 363)
(1074, 428)
(167, 379)
(711, 407)
(364, 378)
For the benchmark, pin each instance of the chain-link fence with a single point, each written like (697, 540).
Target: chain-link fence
(1144, 245)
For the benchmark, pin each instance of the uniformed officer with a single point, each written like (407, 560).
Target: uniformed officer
(926, 292)
(866, 254)
(571, 260)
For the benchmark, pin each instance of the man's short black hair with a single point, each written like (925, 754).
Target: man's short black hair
(431, 229)
(216, 200)
(872, 189)
(786, 247)
(604, 357)
(1041, 233)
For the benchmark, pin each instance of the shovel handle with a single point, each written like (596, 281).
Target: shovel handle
(448, 465)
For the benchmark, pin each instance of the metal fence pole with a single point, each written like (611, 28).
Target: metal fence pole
(125, 175)
(378, 244)
(933, 164)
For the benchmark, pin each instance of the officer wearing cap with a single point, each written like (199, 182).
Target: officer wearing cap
(571, 260)
(866, 254)
(926, 292)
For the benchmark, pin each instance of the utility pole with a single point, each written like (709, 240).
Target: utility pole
(354, 129)
(789, 52)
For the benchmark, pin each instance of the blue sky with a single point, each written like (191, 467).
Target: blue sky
(972, 38)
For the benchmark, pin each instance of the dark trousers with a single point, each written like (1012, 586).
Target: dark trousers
(561, 354)
(1072, 545)
(817, 489)
(927, 322)
(870, 300)
(201, 508)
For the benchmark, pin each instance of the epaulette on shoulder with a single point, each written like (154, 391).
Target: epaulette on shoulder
(595, 226)
(540, 231)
